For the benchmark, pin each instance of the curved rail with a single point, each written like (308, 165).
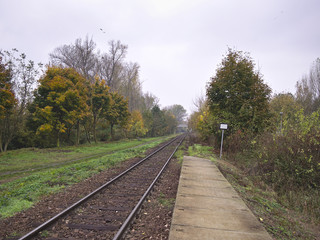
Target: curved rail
(129, 219)
(67, 210)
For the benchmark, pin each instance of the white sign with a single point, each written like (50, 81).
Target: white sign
(223, 126)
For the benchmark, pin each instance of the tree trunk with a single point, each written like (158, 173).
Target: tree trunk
(87, 134)
(1, 148)
(111, 131)
(6, 146)
(58, 140)
(7, 132)
(69, 134)
(78, 133)
(94, 128)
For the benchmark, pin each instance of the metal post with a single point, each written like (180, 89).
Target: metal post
(221, 144)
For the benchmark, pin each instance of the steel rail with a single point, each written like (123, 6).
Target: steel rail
(65, 211)
(133, 213)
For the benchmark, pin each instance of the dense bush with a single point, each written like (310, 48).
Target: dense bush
(291, 159)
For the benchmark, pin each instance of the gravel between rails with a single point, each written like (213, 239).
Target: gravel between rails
(154, 219)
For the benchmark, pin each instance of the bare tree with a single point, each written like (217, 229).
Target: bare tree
(199, 102)
(80, 56)
(314, 81)
(111, 64)
(131, 86)
(304, 95)
(149, 101)
(308, 89)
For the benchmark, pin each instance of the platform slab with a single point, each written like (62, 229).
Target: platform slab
(207, 207)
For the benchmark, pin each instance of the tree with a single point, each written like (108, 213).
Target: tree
(149, 101)
(118, 111)
(131, 86)
(308, 89)
(200, 103)
(7, 104)
(178, 112)
(111, 64)
(286, 104)
(60, 101)
(80, 56)
(7, 99)
(23, 75)
(100, 103)
(136, 124)
(171, 122)
(158, 122)
(237, 94)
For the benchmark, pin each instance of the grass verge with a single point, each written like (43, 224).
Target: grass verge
(22, 162)
(22, 193)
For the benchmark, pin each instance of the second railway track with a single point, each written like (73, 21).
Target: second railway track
(107, 212)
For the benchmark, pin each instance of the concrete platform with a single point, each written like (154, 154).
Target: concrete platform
(207, 207)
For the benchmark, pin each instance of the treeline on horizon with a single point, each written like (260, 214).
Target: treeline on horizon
(274, 139)
(82, 95)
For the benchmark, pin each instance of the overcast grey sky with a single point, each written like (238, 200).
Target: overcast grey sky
(178, 43)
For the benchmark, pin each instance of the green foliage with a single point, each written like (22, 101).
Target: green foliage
(201, 151)
(171, 122)
(167, 202)
(237, 94)
(160, 122)
(283, 109)
(178, 112)
(179, 154)
(291, 159)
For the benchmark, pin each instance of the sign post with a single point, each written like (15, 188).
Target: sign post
(223, 126)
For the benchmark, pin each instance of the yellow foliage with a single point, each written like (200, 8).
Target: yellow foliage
(45, 128)
(136, 124)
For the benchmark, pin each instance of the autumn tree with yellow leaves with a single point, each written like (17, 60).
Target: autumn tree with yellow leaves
(60, 101)
(99, 104)
(7, 103)
(136, 126)
(118, 112)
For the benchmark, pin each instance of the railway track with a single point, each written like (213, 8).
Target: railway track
(107, 212)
